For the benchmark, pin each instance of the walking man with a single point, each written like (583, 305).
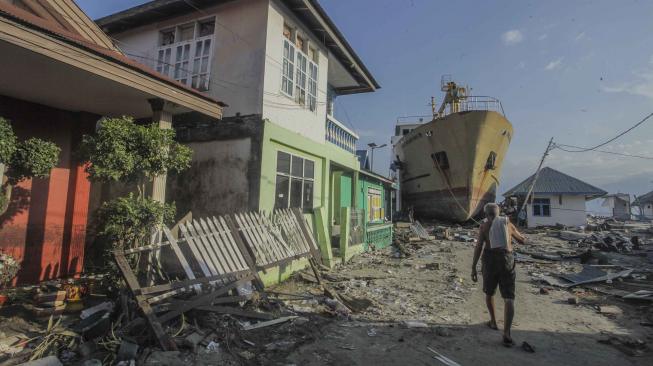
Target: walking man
(498, 265)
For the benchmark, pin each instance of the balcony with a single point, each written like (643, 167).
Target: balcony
(339, 135)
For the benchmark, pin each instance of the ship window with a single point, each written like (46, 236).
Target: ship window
(441, 160)
(491, 161)
(542, 207)
(405, 131)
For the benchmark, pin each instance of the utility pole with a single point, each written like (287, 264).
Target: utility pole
(433, 106)
(373, 146)
(549, 147)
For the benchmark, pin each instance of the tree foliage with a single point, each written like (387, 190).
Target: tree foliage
(129, 221)
(7, 141)
(124, 151)
(32, 158)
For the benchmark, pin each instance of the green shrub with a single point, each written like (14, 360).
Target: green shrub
(129, 221)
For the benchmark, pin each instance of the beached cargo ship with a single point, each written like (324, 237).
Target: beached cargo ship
(449, 164)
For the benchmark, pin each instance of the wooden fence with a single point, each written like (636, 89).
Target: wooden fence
(212, 258)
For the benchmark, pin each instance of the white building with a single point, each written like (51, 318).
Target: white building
(618, 204)
(278, 65)
(557, 198)
(645, 205)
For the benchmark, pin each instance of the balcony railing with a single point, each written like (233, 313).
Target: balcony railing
(339, 135)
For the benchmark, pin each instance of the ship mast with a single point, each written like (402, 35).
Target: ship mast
(454, 94)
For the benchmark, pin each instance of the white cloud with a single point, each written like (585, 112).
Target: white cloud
(554, 64)
(512, 37)
(642, 85)
(580, 36)
(543, 37)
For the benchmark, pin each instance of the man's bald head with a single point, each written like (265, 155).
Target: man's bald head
(491, 210)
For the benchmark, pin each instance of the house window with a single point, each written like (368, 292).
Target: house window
(300, 88)
(312, 86)
(288, 68)
(295, 181)
(300, 69)
(542, 207)
(491, 162)
(374, 205)
(440, 159)
(184, 53)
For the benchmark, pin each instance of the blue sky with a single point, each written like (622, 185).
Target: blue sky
(580, 71)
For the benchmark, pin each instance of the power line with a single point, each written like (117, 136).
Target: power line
(562, 147)
(584, 149)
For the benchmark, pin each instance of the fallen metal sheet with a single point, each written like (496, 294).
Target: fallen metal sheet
(587, 273)
(592, 275)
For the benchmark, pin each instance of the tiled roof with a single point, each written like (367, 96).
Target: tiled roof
(554, 182)
(42, 25)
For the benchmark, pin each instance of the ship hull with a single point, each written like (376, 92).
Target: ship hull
(457, 187)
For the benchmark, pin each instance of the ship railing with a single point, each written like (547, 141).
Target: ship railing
(474, 103)
(339, 135)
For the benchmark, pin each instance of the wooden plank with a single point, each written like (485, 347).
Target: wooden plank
(303, 243)
(229, 238)
(196, 247)
(268, 323)
(276, 229)
(235, 311)
(258, 243)
(147, 247)
(308, 235)
(231, 251)
(246, 253)
(272, 240)
(216, 246)
(202, 300)
(204, 246)
(180, 256)
(293, 242)
(181, 284)
(164, 339)
(268, 241)
(243, 228)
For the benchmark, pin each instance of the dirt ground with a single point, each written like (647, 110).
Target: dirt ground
(429, 301)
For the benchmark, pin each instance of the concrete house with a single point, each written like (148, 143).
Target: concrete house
(279, 65)
(645, 205)
(59, 74)
(618, 204)
(557, 198)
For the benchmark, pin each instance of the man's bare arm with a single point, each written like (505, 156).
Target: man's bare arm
(521, 239)
(477, 252)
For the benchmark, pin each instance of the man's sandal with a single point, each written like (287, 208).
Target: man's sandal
(491, 325)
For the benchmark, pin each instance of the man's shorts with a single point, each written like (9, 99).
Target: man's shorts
(499, 269)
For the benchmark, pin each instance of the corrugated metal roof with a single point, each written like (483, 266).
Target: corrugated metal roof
(554, 182)
(645, 198)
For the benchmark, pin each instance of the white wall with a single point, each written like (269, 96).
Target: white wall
(570, 213)
(278, 108)
(238, 51)
(647, 210)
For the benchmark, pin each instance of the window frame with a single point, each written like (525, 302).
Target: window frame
(291, 176)
(300, 72)
(541, 204)
(372, 208)
(186, 66)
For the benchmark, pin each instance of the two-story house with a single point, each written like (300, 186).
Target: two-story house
(279, 65)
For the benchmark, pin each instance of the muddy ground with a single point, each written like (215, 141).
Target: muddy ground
(429, 301)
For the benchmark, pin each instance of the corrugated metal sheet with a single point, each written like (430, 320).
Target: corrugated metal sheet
(645, 198)
(554, 182)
